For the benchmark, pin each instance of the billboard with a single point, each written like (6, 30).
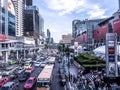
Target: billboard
(75, 46)
(112, 69)
(111, 55)
(10, 5)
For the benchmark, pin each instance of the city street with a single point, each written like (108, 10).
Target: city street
(56, 81)
(59, 44)
(35, 73)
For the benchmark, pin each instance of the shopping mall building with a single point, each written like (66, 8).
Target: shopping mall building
(92, 33)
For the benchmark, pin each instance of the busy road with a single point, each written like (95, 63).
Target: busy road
(35, 73)
(25, 74)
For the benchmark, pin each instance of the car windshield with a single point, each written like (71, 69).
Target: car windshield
(42, 84)
(29, 69)
(29, 81)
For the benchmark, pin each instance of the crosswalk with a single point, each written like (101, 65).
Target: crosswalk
(89, 76)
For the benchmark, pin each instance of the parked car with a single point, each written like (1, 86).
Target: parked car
(3, 81)
(10, 86)
(30, 83)
(30, 70)
(24, 76)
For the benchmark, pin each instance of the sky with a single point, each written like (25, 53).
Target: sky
(59, 14)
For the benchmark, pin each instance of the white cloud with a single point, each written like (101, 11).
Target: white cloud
(64, 6)
(96, 12)
(78, 6)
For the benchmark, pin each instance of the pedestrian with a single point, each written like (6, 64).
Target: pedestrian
(96, 84)
(90, 85)
(108, 86)
(102, 84)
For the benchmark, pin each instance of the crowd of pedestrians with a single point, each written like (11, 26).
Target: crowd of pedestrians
(93, 82)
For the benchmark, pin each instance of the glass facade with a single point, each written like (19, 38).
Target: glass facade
(11, 22)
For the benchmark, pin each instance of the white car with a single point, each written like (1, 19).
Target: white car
(43, 64)
(37, 64)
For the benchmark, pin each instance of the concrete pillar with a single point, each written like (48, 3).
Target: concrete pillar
(24, 53)
(17, 55)
(6, 56)
(8, 48)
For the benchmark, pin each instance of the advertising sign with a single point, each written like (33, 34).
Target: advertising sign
(111, 55)
(111, 58)
(111, 43)
(11, 8)
(75, 46)
(111, 50)
(112, 69)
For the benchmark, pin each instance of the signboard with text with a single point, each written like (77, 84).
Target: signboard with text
(75, 46)
(111, 55)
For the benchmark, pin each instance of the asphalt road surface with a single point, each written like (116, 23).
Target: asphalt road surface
(35, 73)
(55, 83)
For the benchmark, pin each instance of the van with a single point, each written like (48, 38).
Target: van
(10, 86)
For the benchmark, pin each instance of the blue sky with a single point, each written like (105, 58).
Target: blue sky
(59, 14)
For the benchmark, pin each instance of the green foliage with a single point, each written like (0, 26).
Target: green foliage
(46, 46)
(89, 60)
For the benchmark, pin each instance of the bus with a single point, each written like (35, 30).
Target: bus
(44, 79)
(51, 60)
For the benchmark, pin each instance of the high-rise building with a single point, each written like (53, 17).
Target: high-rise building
(28, 2)
(19, 17)
(48, 39)
(7, 18)
(48, 33)
(82, 31)
(31, 22)
(41, 25)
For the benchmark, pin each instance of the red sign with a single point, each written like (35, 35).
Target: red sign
(111, 50)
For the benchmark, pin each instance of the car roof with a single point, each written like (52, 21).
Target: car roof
(9, 83)
(31, 78)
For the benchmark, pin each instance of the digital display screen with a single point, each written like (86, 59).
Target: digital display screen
(111, 59)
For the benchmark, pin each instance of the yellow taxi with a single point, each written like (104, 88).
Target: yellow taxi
(27, 66)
